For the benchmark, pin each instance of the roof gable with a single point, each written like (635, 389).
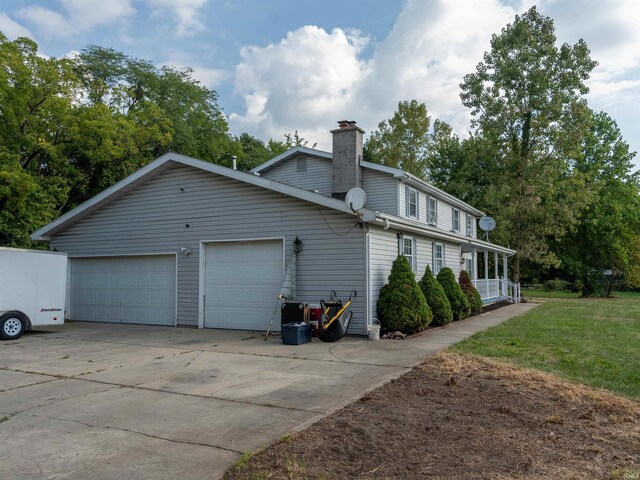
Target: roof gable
(292, 152)
(160, 165)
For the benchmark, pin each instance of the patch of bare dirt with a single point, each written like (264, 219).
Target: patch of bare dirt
(459, 417)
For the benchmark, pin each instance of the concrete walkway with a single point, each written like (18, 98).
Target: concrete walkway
(109, 401)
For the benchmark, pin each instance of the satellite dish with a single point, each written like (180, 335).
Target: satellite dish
(487, 224)
(355, 199)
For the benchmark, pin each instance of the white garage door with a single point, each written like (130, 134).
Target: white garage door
(124, 289)
(242, 282)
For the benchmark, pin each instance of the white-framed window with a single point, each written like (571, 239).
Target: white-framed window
(469, 225)
(432, 211)
(408, 250)
(412, 202)
(438, 258)
(455, 219)
(469, 267)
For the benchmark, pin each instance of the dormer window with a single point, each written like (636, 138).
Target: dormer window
(432, 213)
(301, 164)
(455, 220)
(412, 202)
(469, 225)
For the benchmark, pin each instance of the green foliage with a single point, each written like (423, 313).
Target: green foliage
(607, 235)
(436, 298)
(460, 306)
(527, 100)
(472, 294)
(403, 140)
(70, 128)
(402, 305)
(555, 285)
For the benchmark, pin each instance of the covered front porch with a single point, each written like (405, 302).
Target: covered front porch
(489, 271)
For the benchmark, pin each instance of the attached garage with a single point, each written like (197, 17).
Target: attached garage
(127, 289)
(242, 280)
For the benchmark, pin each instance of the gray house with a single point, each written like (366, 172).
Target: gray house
(183, 242)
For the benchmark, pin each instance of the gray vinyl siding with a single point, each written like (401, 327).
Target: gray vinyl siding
(154, 217)
(382, 191)
(444, 213)
(383, 250)
(318, 175)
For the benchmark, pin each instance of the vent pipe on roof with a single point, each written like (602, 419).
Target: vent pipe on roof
(233, 162)
(346, 158)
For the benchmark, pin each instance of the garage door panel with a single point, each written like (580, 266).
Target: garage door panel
(242, 281)
(124, 289)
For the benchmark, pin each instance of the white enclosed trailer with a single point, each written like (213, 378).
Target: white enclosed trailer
(32, 290)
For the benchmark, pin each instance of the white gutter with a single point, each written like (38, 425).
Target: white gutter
(397, 223)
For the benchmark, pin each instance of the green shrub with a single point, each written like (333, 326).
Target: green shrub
(555, 285)
(471, 292)
(436, 298)
(402, 305)
(460, 306)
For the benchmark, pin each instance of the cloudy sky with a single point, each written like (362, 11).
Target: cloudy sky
(285, 65)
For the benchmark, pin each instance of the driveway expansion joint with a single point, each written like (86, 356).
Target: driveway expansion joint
(127, 430)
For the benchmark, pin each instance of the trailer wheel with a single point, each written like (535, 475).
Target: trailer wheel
(12, 325)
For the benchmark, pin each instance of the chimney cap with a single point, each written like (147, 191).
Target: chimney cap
(347, 125)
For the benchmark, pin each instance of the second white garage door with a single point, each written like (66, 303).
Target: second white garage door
(242, 282)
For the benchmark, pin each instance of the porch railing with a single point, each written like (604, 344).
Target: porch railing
(498, 289)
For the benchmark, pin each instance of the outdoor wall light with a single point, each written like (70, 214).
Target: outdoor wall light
(185, 251)
(297, 245)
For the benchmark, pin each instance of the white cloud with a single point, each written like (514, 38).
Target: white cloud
(12, 29)
(187, 14)
(302, 83)
(80, 16)
(312, 78)
(46, 21)
(90, 13)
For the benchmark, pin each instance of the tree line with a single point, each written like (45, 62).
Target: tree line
(71, 127)
(557, 176)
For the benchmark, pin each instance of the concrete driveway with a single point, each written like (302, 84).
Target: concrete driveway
(110, 401)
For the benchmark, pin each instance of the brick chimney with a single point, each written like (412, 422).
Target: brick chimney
(347, 154)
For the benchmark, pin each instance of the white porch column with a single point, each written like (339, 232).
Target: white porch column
(505, 270)
(505, 275)
(474, 264)
(495, 271)
(485, 254)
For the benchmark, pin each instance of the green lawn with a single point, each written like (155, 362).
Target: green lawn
(567, 294)
(595, 342)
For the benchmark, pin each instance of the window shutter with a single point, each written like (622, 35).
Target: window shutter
(433, 257)
(415, 255)
(406, 201)
(417, 205)
(444, 256)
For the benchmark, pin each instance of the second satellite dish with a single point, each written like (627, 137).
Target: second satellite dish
(355, 199)
(487, 224)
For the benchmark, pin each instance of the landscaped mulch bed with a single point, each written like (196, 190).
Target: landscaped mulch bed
(460, 416)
